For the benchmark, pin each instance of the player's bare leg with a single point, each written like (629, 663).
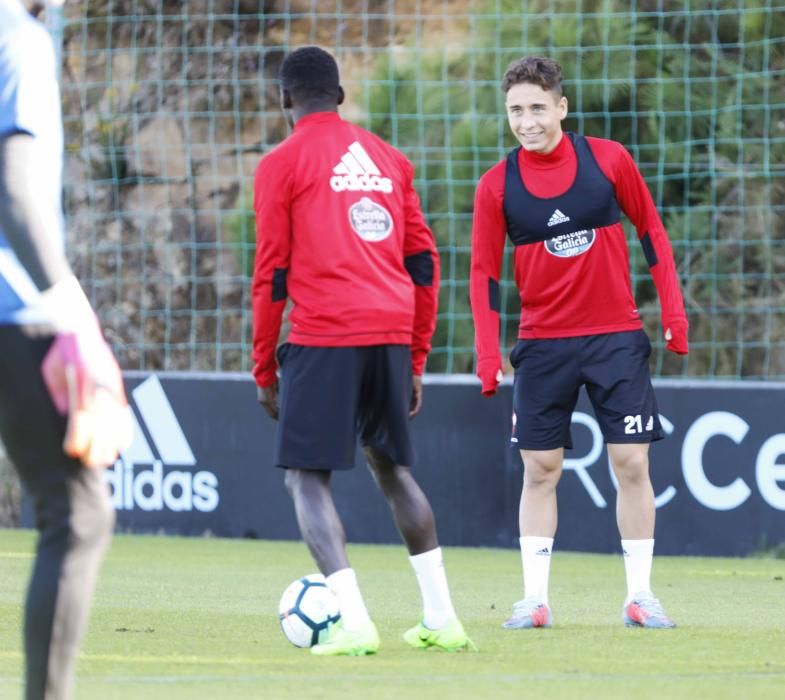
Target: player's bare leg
(635, 514)
(635, 501)
(323, 532)
(537, 519)
(319, 522)
(537, 514)
(440, 627)
(410, 507)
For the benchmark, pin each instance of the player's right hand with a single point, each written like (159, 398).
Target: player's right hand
(268, 397)
(490, 374)
(85, 383)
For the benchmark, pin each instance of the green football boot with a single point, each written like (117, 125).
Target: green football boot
(343, 642)
(450, 637)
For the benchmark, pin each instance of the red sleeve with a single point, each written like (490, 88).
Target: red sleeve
(488, 231)
(635, 200)
(272, 191)
(422, 262)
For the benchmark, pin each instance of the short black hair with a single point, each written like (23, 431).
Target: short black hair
(537, 70)
(310, 73)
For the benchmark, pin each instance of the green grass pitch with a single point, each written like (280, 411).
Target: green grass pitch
(181, 618)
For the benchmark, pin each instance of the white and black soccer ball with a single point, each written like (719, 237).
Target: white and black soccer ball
(307, 609)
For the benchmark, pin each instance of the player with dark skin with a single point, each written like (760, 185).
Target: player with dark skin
(317, 517)
(307, 478)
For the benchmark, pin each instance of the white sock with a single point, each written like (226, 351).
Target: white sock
(536, 556)
(343, 583)
(638, 556)
(432, 578)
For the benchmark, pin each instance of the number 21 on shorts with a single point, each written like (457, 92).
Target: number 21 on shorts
(634, 424)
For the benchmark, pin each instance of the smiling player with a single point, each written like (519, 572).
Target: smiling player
(559, 198)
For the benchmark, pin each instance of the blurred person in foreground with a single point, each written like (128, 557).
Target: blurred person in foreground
(63, 411)
(559, 198)
(340, 232)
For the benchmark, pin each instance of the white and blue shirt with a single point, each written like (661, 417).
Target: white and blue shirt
(29, 103)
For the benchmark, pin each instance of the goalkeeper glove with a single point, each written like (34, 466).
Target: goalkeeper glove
(84, 380)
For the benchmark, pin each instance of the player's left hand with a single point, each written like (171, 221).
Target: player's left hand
(268, 397)
(490, 372)
(416, 403)
(676, 336)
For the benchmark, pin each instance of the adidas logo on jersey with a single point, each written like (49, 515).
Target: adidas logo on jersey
(358, 173)
(558, 217)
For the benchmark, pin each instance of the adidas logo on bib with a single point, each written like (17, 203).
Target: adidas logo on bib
(558, 217)
(358, 173)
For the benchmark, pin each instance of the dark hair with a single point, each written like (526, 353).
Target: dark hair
(310, 73)
(544, 72)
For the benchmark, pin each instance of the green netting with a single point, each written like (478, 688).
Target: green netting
(169, 105)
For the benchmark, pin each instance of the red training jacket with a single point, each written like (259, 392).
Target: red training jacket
(340, 231)
(561, 297)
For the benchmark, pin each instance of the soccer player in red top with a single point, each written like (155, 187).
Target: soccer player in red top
(341, 234)
(559, 198)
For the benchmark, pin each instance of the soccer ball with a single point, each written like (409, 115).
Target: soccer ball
(307, 609)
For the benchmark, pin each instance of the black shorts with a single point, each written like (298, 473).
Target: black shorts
(613, 367)
(329, 396)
